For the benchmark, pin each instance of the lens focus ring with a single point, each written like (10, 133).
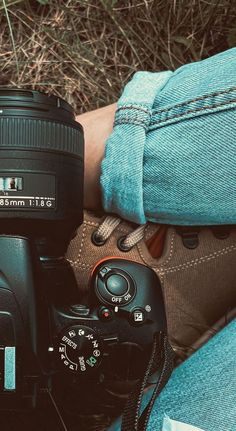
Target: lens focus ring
(34, 120)
(39, 134)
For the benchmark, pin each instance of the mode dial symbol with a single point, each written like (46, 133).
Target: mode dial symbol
(79, 349)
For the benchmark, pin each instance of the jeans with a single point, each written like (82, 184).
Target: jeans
(201, 391)
(171, 157)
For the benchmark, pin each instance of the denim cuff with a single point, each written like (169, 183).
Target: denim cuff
(122, 168)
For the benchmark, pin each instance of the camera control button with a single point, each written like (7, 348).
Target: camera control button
(105, 314)
(104, 271)
(138, 316)
(116, 288)
(80, 309)
(117, 285)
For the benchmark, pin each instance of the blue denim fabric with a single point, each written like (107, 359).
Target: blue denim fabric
(201, 391)
(172, 155)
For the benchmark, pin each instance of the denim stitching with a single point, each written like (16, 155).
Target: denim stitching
(179, 105)
(130, 121)
(127, 120)
(139, 108)
(192, 111)
(133, 115)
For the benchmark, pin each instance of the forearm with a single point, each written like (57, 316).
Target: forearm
(168, 155)
(178, 165)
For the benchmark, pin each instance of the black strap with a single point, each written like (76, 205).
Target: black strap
(161, 358)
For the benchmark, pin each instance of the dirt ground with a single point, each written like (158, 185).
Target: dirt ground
(86, 50)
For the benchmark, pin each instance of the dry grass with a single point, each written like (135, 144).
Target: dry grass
(85, 50)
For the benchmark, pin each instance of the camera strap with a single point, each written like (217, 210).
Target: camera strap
(161, 358)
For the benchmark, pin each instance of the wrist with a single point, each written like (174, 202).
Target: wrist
(97, 126)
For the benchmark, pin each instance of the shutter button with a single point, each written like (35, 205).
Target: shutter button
(117, 285)
(114, 286)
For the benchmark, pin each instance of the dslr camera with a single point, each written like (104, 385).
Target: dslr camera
(81, 352)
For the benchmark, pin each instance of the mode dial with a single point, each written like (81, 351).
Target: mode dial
(79, 349)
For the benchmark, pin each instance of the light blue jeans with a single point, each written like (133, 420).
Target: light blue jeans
(201, 391)
(172, 155)
(172, 159)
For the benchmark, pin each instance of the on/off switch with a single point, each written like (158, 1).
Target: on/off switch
(115, 286)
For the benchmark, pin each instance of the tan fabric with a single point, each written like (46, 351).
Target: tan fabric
(199, 285)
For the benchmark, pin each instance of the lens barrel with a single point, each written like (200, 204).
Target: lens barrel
(41, 168)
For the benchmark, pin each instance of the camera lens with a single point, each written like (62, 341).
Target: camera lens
(41, 168)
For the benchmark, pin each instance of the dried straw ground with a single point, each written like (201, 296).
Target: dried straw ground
(86, 50)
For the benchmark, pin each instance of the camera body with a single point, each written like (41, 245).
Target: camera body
(52, 338)
(111, 335)
(47, 336)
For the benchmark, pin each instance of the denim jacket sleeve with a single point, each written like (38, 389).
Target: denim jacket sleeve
(172, 155)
